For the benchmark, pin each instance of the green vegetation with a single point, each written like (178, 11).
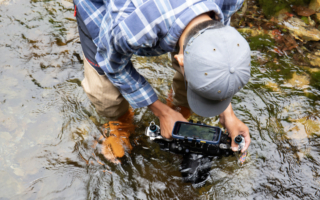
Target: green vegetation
(306, 20)
(271, 7)
(315, 79)
(261, 42)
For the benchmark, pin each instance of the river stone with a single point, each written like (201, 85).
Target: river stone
(6, 136)
(302, 31)
(318, 17)
(300, 156)
(67, 4)
(9, 185)
(5, 2)
(255, 32)
(298, 81)
(315, 5)
(303, 128)
(315, 58)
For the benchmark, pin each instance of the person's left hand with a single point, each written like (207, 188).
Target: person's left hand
(235, 127)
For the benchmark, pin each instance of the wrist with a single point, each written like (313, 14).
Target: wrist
(159, 109)
(227, 113)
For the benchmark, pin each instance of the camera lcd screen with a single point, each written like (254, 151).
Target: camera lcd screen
(198, 131)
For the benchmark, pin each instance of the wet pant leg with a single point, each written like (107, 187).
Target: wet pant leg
(106, 98)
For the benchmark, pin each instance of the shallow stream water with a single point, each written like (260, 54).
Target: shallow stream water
(48, 125)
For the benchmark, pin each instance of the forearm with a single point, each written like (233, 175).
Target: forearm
(159, 109)
(167, 117)
(227, 113)
(133, 86)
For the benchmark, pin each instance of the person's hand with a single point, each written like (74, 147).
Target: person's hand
(167, 122)
(235, 127)
(167, 117)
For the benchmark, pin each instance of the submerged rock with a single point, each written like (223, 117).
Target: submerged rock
(273, 86)
(311, 126)
(315, 5)
(303, 153)
(318, 17)
(303, 128)
(314, 58)
(255, 32)
(301, 31)
(298, 81)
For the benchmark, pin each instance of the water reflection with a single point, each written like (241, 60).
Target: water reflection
(48, 126)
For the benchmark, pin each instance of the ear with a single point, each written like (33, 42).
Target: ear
(179, 58)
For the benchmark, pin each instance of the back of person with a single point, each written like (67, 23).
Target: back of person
(150, 27)
(112, 31)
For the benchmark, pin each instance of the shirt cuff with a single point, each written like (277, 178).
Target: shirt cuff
(144, 96)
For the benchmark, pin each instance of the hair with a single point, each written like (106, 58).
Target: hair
(214, 24)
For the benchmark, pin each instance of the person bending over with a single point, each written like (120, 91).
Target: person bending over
(211, 59)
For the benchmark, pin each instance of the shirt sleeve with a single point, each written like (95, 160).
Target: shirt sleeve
(114, 56)
(229, 7)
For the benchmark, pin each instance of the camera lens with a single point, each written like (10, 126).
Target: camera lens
(238, 139)
(153, 127)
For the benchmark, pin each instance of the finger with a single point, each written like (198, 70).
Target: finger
(247, 140)
(234, 146)
(166, 134)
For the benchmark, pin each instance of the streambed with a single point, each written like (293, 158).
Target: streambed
(48, 125)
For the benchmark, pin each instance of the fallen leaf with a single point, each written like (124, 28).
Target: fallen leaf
(290, 43)
(278, 52)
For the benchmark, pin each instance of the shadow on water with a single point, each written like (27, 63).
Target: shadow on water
(49, 131)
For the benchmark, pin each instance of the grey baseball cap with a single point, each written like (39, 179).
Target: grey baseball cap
(216, 65)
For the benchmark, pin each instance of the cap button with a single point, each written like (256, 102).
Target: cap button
(231, 70)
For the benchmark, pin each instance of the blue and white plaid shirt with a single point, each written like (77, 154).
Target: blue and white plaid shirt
(121, 28)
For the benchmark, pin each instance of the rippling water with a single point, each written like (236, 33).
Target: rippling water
(48, 127)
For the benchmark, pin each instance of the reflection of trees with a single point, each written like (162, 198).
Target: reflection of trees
(191, 131)
(198, 131)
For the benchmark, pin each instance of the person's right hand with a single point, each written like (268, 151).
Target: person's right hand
(167, 117)
(167, 122)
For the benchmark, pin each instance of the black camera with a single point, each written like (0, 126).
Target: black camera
(198, 143)
(196, 138)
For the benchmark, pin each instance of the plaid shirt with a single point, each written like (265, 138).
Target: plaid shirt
(121, 28)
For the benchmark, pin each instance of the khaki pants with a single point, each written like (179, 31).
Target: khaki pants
(109, 102)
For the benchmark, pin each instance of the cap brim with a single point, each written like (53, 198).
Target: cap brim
(206, 107)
